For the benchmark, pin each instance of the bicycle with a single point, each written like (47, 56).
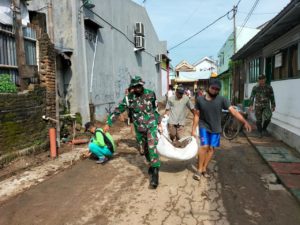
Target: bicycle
(231, 127)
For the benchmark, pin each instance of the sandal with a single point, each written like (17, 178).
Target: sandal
(197, 175)
(205, 174)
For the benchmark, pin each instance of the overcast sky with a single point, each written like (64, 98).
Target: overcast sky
(176, 20)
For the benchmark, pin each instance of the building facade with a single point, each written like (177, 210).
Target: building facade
(243, 35)
(106, 42)
(275, 52)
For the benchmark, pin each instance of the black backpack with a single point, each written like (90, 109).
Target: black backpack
(106, 141)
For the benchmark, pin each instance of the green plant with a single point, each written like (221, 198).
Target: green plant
(6, 85)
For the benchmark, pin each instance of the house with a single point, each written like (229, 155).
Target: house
(275, 52)
(195, 75)
(105, 43)
(243, 35)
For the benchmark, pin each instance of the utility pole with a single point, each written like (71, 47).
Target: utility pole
(234, 29)
(20, 50)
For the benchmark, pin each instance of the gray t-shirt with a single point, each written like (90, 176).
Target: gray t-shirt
(211, 112)
(178, 109)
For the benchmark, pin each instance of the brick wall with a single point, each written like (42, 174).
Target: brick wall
(21, 123)
(47, 58)
(22, 129)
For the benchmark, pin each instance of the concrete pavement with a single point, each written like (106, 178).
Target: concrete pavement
(283, 160)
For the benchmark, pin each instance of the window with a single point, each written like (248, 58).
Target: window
(254, 69)
(90, 34)
(285, 63)
(293, 61)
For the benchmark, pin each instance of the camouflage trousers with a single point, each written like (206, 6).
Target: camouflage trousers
(263, 113)
(148, 140)
(263, 116)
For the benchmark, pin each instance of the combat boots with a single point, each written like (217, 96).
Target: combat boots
(259, 129)
(265, 125)
(153, 172)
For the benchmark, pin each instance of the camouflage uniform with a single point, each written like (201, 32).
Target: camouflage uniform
(263, 96)
(145, 119)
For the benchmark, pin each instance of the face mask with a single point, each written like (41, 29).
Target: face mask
(213, 95)
(138, 90)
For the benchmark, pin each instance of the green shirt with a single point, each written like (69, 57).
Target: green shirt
(99, 140)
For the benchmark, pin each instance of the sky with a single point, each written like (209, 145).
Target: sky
(176, 20)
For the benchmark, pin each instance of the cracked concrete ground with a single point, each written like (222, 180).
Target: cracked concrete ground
(118, 193)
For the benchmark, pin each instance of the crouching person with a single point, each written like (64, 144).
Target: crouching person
(101, 144)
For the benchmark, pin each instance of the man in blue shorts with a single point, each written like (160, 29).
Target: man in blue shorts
(208, 113)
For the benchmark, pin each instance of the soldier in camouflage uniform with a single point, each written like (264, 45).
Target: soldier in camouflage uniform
(264, 104)
(146, 119)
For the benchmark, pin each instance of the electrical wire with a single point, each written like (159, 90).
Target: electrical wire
(117, 29)
(209, 25)
(248, 16)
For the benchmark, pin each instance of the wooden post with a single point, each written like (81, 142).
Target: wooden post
(20, 50)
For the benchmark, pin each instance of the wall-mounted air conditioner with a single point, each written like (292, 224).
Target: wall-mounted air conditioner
(139, 42)
(139, 29)
(158, 58)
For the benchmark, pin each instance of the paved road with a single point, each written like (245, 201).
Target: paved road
(118, 193)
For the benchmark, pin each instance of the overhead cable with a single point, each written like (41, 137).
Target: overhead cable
(248, 16)
(209, 25)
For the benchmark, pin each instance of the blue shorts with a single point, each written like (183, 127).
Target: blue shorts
(208, 138)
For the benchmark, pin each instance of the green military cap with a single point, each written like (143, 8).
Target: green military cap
(261, 77)
(137, 80)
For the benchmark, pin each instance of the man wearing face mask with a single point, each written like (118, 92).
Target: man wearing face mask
(207, 116)
(146, 120)
(176, 109)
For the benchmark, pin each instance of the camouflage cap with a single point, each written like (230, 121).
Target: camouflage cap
(261, 77)
(137, 80)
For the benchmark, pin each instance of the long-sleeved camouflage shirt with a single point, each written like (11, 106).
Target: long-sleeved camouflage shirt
(143, 109)
(263, 95)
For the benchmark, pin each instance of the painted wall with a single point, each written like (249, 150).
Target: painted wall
(164, 82)
(242, 37)
(285, 123)
(287, 114)
(115, 59)
(205, 65)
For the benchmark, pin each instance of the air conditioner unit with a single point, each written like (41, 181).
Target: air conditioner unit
(139, 29)
(139, 42)
(158, 58)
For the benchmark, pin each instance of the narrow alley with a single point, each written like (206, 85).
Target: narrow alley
(118, 192)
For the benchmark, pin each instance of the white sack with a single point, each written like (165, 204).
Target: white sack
(166, 149)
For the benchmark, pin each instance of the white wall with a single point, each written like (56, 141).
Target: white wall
(287, 113)
(206, 65)
(164, 82)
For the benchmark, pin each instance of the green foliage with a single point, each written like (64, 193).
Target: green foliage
(78, 118)
(6, 85)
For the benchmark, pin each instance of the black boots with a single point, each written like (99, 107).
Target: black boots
(153, 172)
(265, 125)
(259, 129)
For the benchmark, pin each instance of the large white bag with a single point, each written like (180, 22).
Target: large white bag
(168, 150)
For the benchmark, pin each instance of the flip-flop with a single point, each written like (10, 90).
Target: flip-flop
(197, 175)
